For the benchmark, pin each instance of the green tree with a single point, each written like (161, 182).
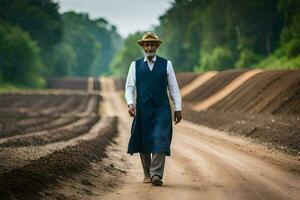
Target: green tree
(40, 19)
(94, 43)
(20, 61)
(200, 34)
(64, 60)
(129, 52)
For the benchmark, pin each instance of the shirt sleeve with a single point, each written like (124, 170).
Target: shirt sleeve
(173, 87)
(130, 86)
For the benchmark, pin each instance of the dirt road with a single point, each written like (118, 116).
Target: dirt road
(204, 164)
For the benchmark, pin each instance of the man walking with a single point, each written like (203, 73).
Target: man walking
(149, 78)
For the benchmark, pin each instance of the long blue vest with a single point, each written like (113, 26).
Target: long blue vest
(151, 129)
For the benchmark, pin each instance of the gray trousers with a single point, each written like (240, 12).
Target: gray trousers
(153, 166)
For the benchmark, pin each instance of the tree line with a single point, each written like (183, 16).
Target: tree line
(203, 35)
(36, 41)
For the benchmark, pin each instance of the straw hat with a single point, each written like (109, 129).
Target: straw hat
(149, 37)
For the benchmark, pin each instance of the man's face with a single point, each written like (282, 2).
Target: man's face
(150, 48)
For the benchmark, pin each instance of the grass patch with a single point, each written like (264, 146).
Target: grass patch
(5, 88)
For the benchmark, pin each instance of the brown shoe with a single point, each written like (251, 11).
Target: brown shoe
(147, 179)
(156, 180)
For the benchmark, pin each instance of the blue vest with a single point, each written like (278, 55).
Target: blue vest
(151, 85)
(151, 129)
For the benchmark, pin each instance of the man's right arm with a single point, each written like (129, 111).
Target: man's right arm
(130, 89)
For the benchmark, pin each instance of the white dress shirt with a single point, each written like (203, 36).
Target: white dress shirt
(130, 86)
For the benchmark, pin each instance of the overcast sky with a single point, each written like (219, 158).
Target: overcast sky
(128, 15)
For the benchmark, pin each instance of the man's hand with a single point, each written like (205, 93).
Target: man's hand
(131, 110)
(177, 117)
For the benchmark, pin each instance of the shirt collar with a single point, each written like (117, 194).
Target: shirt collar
(146, 59)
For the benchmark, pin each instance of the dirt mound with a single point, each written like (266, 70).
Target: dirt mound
(59, 133)
(213, 85)
(47, 136)
(39, 174)
(184, 78)
(27, 113)
(272, 92)
(81, 83)
(265, 108)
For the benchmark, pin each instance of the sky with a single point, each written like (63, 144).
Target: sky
(128, 15)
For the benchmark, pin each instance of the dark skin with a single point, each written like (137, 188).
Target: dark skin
(150, 47)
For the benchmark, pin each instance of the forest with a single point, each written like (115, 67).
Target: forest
(36, 41)
(204, 35)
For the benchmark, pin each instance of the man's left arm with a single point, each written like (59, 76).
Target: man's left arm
(174, 92)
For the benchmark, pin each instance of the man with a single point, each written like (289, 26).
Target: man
(146, 87)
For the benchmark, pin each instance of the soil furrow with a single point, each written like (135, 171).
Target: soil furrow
(25, 182)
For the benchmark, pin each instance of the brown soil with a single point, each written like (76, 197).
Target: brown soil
(39, 174)
(79, 155)
(27, 113)
(48, 136)
(119, 83)
(281, 132)
(264, 108)
(205, 164)
(271, 92)
(186, 77)
(212, 85)
(80, 83)
(62, 133)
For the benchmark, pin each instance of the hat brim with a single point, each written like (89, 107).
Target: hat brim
(140, 42)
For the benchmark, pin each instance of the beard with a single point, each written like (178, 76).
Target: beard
(150, 53)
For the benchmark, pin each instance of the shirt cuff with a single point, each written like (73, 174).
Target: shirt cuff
(130, 102)
(177, 107)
